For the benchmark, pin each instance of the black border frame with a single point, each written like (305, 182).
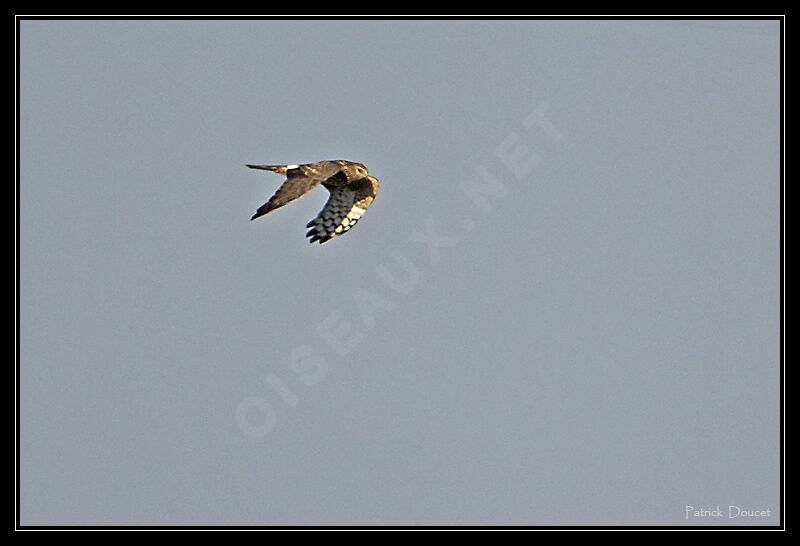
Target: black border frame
(18, 527)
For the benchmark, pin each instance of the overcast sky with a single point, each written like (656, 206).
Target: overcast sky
(562, 307)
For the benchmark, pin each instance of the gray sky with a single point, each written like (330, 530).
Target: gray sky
(562, 307)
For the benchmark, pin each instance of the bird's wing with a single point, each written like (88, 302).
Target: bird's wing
(300, 179)
(344, 208)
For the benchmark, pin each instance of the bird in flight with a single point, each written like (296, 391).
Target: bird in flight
(351, 186)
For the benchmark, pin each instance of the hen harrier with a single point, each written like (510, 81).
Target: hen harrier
(351, 186)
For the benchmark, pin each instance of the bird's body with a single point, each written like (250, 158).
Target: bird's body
(350, 184)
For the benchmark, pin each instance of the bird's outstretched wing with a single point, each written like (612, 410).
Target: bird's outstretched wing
(344, 208)
(300, 179)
